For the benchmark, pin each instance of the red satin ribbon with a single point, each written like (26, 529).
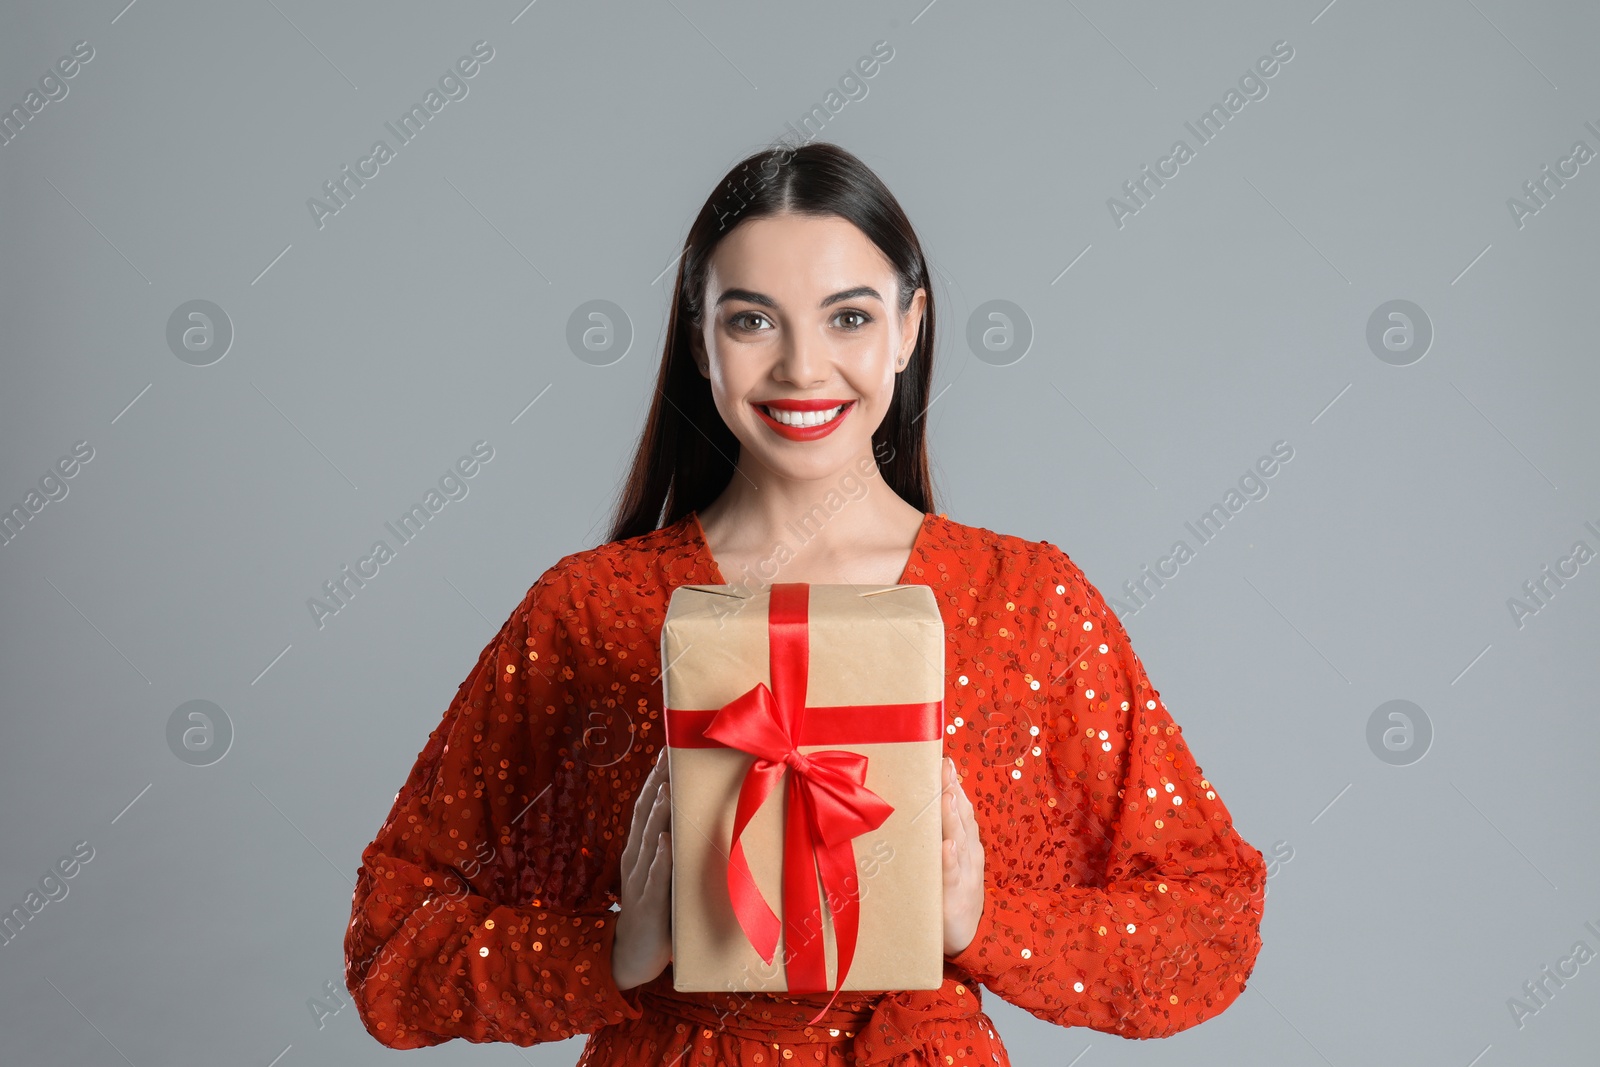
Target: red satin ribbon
(828, 802)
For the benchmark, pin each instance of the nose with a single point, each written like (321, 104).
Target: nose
(804, 361)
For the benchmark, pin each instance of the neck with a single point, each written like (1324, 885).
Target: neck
(851, 506)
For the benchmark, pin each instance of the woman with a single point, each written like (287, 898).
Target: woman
(519, 889)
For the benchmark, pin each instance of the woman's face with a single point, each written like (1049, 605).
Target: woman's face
(800, 311)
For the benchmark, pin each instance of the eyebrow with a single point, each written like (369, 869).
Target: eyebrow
(753, 297)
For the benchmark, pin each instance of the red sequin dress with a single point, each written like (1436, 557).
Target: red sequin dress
(1118, 895)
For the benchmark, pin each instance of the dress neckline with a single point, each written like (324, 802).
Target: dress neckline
(697, 535)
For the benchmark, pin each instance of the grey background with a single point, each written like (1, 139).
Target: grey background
(1228, 314)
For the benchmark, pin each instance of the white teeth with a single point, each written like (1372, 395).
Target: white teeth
(803, 418)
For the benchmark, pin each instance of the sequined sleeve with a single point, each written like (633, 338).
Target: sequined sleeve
(482, 908)
(1139, 913)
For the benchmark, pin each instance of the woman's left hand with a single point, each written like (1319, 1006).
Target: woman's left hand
(963, 865)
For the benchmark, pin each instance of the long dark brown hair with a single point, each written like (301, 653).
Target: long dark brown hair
(686, 452)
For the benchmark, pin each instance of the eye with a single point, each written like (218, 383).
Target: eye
(737, 321)
(863, 316)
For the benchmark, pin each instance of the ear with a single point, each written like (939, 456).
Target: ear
(697, 349)
(911, 328)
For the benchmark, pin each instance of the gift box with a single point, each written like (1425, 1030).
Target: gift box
(805, 736)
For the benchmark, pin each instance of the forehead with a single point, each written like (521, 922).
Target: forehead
(795, 254)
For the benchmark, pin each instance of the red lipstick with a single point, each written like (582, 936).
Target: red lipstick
(803, 433)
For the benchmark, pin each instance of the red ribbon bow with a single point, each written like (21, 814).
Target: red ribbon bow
(828, 804)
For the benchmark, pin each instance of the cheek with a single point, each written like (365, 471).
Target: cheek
(728, 381)
(876, 382)
(731, 381)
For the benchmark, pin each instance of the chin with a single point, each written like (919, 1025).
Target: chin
(807, 461)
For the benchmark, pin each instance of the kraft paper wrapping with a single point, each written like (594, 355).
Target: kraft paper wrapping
(868, 645)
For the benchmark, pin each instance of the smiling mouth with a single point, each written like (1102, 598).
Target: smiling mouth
(802, 419)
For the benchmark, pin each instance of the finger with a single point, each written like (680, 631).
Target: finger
(969, 818)
(630, 849)
(653, 779)
(963, 838)
(646, 822)
(641, 811)
(659, 774)
(660, 810)
(658, 770)
(970, 831)
(660, 879)
(947, 814)
(659, 893)
(660, 813)
(975, 847)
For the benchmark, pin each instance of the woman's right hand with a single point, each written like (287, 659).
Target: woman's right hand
(642, 947)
